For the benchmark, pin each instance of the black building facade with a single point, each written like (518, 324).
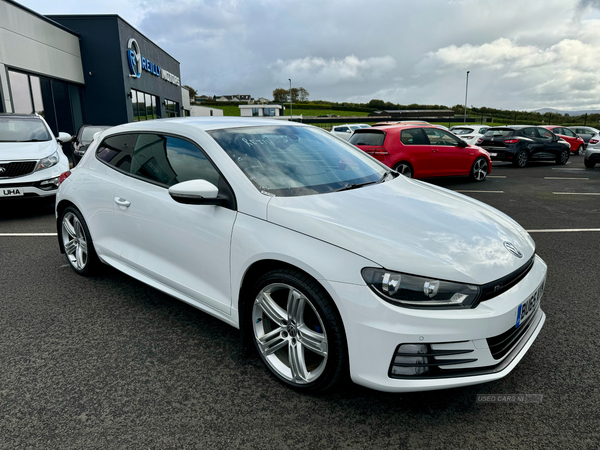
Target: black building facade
(127, 77)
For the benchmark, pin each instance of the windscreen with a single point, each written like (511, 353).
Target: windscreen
(498, 132)
(15, 129)
(371, 137)
(292, 161)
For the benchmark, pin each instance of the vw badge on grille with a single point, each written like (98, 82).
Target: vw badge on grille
(511, 248)
(2, 169)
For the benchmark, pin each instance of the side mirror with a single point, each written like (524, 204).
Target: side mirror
(64, 137)
(462, 144)
(195, 192)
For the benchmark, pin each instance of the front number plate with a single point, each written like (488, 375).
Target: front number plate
(530, 306)
(493, 154)
(11, 192)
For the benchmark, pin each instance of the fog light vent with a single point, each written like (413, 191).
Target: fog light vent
(419, 360)
(407, 362)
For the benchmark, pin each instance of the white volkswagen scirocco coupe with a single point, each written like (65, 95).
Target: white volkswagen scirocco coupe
(328, 262)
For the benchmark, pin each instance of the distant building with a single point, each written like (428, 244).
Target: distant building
(261, 110)
(262, 100)
(233, 98)
(203, 111)
(202, 98)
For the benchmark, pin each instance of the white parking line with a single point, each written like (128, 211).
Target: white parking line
(27, 234)
(566, 168)
(566, 230)
(564, 178)
(496, 176)
(576, 193)
(489, 192)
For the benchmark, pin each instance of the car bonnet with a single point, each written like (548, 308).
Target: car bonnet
(411, 227)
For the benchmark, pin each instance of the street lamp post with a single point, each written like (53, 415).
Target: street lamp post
(466, 92)
(291, 108)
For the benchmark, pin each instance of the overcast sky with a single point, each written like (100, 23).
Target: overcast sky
(522, 54)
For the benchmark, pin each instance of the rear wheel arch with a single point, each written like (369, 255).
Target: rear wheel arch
(60, 208)
(408, 163)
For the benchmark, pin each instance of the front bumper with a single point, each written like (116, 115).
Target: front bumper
(592, 154)
(35, 184)
(375, 329)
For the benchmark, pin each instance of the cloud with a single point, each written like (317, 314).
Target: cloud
(321, 71)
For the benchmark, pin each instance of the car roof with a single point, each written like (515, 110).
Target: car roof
(400, 126)
(19, 115)
(202, 123)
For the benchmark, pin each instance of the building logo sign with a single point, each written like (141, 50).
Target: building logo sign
(137, 63)
(134, 56)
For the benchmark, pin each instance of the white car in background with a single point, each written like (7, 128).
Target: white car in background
(31, 158)
(345, 131)
(329, 262)
(469, 133)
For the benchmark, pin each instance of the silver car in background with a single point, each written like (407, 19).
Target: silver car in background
(592, 152)
(345, 131)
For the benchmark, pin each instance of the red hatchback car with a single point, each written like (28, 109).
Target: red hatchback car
(577, 144)
(423, 151)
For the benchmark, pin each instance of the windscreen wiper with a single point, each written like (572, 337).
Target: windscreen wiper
(355, 186)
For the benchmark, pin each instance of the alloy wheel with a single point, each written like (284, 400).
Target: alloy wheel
(580, 150)
(74, 241)
(522, 159)
(404, 169)
(480, 169)
(564, 156)
(289, 333)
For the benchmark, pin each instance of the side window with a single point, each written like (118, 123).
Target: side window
(558, 130)
(545, 134)
(117, 151)
(440, 137)
(483, 130)
(343, 129)
(568, 132)
(413, 137)
(530, 132)
(169, 160)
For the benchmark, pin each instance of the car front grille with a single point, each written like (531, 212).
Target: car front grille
(497, 287)
(503, 343)
(16, 169)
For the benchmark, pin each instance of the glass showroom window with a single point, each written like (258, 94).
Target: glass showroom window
(172, 108)
(144, 106)
(270, 112)
(26, 93)
(254, 112)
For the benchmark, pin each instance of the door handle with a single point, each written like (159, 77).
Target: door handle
(434, 151)
(122, 202)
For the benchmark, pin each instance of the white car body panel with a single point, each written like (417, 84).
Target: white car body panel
(201, 253)
(474, 137)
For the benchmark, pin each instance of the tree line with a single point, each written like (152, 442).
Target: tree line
(281, 95)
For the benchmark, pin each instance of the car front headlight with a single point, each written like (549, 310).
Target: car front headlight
(48, 161)
(420, 292)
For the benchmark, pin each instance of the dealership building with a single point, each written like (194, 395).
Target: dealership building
(83, 69)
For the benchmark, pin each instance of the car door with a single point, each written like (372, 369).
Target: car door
(414, 147)
(549, 141)
(571, 138)
(99, 183)
(185, 247)
(447, 156)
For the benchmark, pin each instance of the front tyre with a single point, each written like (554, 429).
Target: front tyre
(479, 170)
(77, 242)
(563, 157)
(581, 150)
(297, 330)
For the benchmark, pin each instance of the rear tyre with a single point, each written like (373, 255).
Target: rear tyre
(581, 150)
(562, 159)
(404, 168)
(77, 242)
(521, 158)
(479, 170)
(297, 330)
(589, 164)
